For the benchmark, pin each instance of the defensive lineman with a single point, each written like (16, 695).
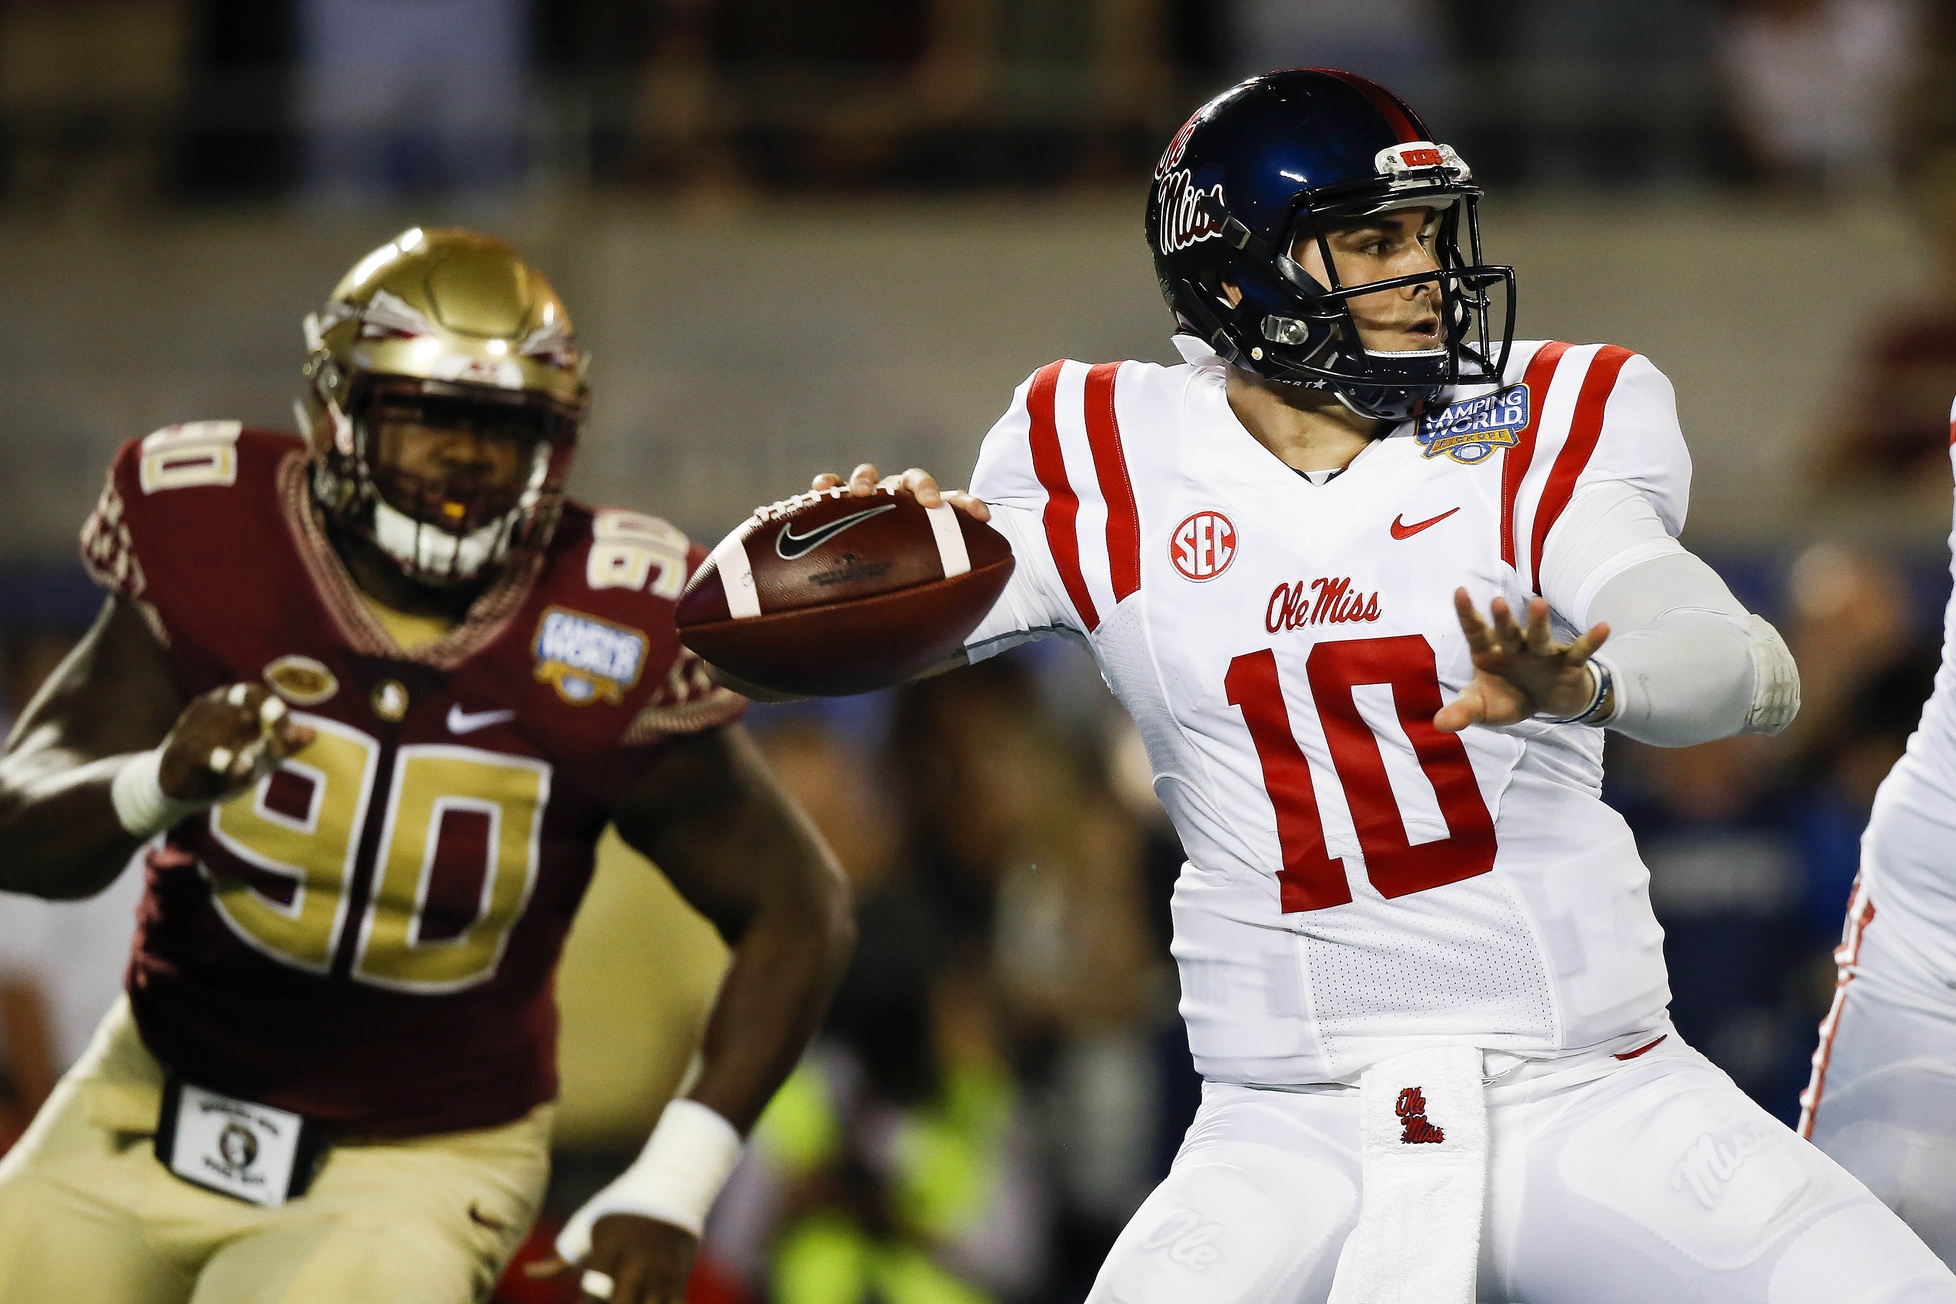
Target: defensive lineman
(381, 690)
(1419, 968)
(1882, 1099)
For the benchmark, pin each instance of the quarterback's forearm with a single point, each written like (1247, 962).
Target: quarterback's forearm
(1688, 663)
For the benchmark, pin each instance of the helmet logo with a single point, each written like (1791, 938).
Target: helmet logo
(1186, 217)
(1172, 157)
(1397, 160)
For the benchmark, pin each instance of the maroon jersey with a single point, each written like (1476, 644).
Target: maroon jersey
(367, 937)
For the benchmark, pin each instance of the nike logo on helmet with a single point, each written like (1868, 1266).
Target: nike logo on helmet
(467, 722)
(1401, 530)
(788, 545)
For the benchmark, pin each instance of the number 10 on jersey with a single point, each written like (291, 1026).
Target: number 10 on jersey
(1311, 879)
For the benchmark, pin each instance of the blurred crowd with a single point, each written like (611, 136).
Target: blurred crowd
(347, 100)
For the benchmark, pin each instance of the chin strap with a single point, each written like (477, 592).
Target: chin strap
(429, 552)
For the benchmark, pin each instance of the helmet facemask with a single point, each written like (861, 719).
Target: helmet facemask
(445, 393)
(1305, 332)
(489, 478)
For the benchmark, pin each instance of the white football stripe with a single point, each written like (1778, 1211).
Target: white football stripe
(950, 540)
(737, 576)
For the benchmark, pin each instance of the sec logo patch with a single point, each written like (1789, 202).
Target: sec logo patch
(1203, 546)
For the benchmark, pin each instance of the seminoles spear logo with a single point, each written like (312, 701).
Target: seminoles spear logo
(1411, 1108)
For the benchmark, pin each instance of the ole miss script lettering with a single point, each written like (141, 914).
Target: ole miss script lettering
(1417, 1130)
(1323, 601)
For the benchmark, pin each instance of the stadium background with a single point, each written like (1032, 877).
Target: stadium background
(796, 234)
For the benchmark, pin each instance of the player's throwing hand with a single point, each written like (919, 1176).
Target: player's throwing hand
(227, 740)
(865, 480)
(1519, 672)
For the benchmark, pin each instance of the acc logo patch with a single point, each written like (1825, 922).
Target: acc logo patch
(301, 681)
(585, 658)
(1470, 430)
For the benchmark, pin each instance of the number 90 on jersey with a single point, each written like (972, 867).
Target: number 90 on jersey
(455, 865)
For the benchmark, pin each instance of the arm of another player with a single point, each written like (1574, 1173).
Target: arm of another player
(109, 753)
(743, 854)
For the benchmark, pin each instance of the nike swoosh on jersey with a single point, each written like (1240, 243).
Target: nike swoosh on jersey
(802, 544)
(467, 722)
(1401, 530)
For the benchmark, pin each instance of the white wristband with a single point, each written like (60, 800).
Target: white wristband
(675, 1179)
(140, 802)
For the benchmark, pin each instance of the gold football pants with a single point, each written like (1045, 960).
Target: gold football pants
(88, 1215)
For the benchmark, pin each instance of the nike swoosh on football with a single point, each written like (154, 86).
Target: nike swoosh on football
(1401, 530)
(467, 722)
(803, 544)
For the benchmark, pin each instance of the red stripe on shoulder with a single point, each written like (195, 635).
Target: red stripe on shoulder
(1585, 428)
(1116, 488)
(1515, 462)
(1062, 504)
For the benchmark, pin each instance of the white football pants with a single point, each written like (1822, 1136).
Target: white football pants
(1649, 1180)
(1883, 1097)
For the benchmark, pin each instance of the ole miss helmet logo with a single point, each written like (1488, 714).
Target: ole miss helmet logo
(1203, 546)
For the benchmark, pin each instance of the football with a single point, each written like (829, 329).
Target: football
(825, 593)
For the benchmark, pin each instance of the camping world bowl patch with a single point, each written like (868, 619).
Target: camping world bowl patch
(1470, 430)
(586, 659)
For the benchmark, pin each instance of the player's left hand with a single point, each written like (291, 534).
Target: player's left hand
(643, 1260)
(866, 479)
(1519, 672)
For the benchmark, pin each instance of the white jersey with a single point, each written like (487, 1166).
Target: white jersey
(1908, 861)
(1358, 883)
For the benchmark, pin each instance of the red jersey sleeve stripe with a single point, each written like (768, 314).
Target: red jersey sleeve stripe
(1585, 428)
(1515, 463)
(1116, 488)
(1062, 504)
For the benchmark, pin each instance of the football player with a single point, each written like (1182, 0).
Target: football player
(374, 694)
(1373, 578)
(1886, 1063)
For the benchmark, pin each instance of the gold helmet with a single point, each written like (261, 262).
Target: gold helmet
(443, 329)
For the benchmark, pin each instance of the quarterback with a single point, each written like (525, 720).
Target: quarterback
(370, 697)
(1886, 1063)
(1419, 968)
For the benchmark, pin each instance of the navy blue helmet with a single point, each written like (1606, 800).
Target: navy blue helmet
(1288, 155)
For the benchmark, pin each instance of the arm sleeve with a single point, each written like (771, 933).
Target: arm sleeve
(1035, 603)
(1689, 664)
